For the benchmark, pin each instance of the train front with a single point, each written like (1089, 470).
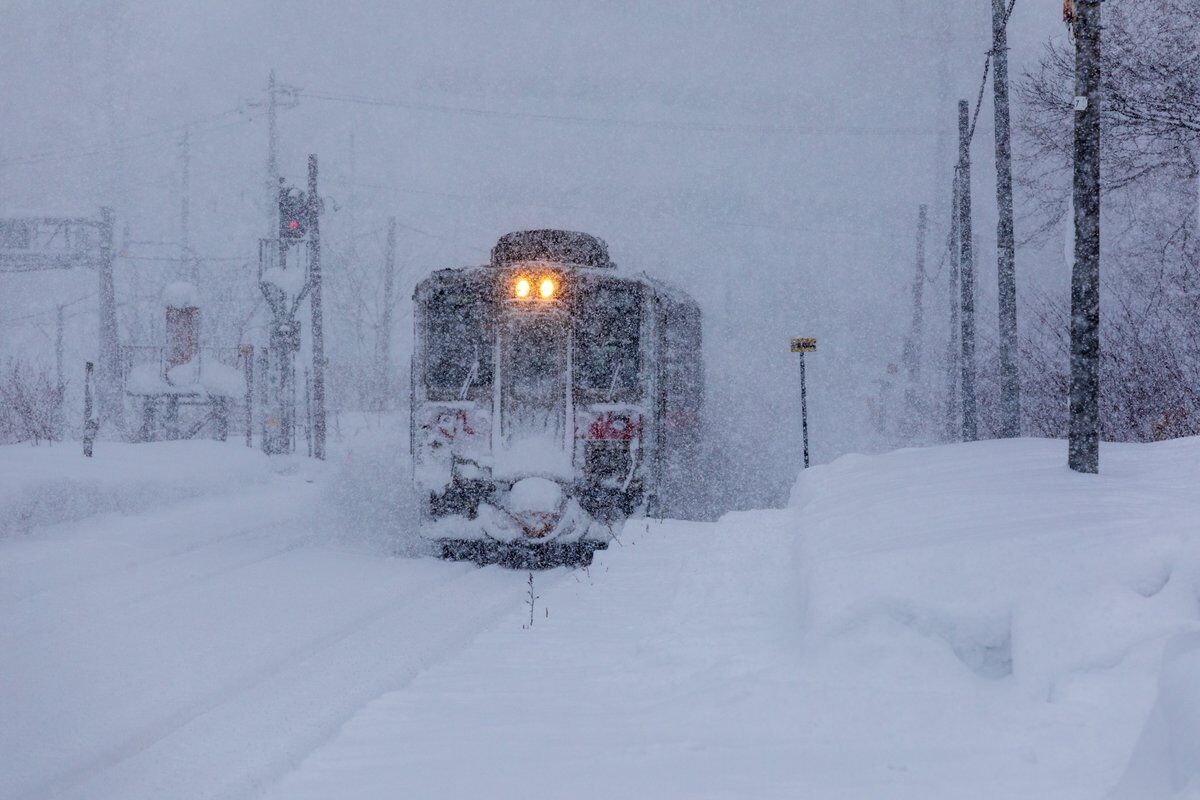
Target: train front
(527, 420)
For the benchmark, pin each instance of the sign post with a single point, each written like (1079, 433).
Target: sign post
(803, 346)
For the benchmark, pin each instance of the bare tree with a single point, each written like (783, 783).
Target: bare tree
(1150, 135)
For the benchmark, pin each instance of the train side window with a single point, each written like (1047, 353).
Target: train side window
(607, 344)
(458, 353)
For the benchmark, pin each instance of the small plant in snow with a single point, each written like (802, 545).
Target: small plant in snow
(531, 600)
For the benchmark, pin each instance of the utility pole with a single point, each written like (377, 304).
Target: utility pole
(953, 408)
(59, 329)
(272, 157)
(276, 92)
(913, 344)
(318, 324)
(943, 23)
(383, 349)
(966, 274)
(108, 388)
(1010, 385)
(188, 267)
(1084, 437)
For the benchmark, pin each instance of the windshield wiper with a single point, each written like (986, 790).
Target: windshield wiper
(471, 376)
(612, 385)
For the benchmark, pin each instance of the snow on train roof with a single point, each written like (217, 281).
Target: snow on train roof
(567, 249)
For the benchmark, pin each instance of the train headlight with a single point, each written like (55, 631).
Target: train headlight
(547, 288)
(522, 287)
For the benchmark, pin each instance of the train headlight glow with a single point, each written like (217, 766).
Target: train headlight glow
(547, 288)
(522, 287)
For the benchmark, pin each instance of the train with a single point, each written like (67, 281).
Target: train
(553, 397)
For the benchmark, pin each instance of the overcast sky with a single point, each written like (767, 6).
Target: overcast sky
(769, 156)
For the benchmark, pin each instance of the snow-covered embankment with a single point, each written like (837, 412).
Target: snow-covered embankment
(966, 621)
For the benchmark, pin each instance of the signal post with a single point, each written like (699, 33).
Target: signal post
(803, 346)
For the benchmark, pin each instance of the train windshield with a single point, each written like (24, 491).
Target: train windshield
(607, 353)
(458, 355)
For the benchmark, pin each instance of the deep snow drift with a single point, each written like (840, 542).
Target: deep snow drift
(965, 621)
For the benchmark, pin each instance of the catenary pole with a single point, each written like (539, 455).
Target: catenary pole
(966, 275)
(1010, 387)
(1084, 434)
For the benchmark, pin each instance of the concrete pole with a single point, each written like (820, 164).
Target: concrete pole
(1010, 386)
(1084, 435)
(970, 430)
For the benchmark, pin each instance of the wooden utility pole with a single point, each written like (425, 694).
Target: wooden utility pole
(1084, 435)
(1010, 386)
(966, 274)
(318, 322)
(383, 349)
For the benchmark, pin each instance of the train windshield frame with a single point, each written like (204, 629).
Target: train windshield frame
(458, 348)
(607, 342)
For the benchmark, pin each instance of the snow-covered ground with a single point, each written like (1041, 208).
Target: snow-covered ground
(967, 621)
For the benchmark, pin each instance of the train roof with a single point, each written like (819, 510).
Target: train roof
(570, 249)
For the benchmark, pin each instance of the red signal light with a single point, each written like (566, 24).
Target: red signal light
(293, 224)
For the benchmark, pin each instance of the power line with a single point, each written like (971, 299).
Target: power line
(131, 142)
(666, 125)
(987, 66)
(9, 322)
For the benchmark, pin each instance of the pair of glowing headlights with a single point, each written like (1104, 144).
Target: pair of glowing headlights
(546, 288)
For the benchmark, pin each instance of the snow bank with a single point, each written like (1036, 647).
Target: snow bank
(48, 485)
(993, 561)
(966, 621)
(1166, 762)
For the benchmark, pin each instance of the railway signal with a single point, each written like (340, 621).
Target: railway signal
(293, 210)
(803, 346)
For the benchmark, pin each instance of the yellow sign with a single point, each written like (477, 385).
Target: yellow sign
(804, 345)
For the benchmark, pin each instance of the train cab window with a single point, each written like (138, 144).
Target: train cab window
(607, 344)
(458, 353)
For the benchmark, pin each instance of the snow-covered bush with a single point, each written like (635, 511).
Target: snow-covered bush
(31, 405)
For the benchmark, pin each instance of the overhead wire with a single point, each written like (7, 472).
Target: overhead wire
(666, 125)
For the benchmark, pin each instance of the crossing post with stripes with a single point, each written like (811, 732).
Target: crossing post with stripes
(803, 346)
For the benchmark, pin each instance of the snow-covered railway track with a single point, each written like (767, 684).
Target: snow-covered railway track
(208, 671)
(72, 556)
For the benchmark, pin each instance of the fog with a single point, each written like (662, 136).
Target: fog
(768, 157)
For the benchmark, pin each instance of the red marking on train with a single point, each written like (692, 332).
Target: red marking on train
(612, 426)
(451, 423)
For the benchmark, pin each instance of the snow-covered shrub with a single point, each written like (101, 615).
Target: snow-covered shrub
(31, 405)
